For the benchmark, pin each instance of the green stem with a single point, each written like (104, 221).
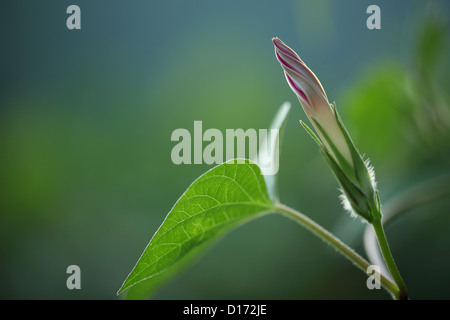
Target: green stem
(418, 195)
(389, 259)
(336, 243)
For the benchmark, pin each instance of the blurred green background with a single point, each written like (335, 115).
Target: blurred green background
(86, 118)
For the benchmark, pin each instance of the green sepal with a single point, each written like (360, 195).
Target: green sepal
(360, 169)
(343, 163)
(356, 197)
(312, 134)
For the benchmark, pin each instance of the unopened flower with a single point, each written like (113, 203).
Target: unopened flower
(313, 99)
(353, 174)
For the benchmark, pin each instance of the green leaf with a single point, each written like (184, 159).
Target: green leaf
(221, 199)
(377, 111)
(431, 44)
(145, 289)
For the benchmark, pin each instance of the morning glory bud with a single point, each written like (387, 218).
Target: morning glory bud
(313, 99)
(355, 175)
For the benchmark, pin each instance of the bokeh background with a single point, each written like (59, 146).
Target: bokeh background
(86, 118)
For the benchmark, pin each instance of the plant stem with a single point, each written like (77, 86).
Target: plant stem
(337, 244)
(420, 194)
(389, 259)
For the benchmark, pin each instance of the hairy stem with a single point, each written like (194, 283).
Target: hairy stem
(337, 244)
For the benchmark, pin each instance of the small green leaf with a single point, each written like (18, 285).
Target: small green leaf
(221, 199)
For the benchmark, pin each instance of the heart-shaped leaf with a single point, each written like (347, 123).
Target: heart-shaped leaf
(219, 200)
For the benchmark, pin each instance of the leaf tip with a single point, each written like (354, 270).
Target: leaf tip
(122, 288)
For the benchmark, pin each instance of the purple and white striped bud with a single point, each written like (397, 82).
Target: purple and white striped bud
(353, 173)
(313, 99)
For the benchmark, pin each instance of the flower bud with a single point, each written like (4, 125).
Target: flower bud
(353, 174)
(313, 99)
